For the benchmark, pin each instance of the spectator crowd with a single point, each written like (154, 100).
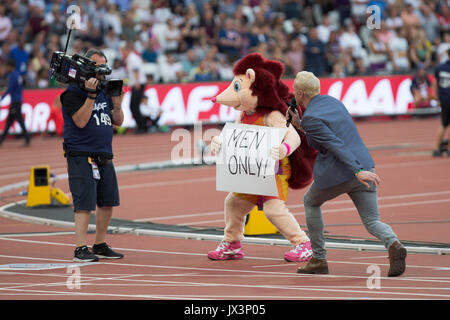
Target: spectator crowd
(199, 40)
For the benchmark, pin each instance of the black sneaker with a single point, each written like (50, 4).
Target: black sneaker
(82, 254)
(103, 251)
(437, 153)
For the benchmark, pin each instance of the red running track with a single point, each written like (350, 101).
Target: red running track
(413, 198)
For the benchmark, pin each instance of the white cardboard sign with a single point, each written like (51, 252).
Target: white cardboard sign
(244, 163)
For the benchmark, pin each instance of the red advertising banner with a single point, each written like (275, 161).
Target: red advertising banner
(184, 104)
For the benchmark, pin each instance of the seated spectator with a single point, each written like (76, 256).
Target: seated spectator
(118, 70)
(230, 40)
(224, 68)
(42, 78)
(36, 22)
(170, 69)
(295, 57)
(420, 50)
(386, 34)
(148, 34)
(325, 29)
(128, 31)
(93, 37)
(208, 26)
(18, 17)
(5, 24)
(344, 9)
(410, 19)
(399, 52)
(394, 20)
(443, 16)
(442, 48)
(291, 9)
(338, 71)
(189, 33)
(170, 37)
(350, 42)
(358, 11)
(378, 52)
(359, 67)
(421, 88)
(429, 22)
(213, 70)
(228, 7)
(256, 36)
(111, 40)
(188, 62)
(315, 54)
(333, 50)
(150, 54)
(112, 19)
(201, 72)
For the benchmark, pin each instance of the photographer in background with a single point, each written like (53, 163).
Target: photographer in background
(89, 115)
(15, 88)
(136, 80)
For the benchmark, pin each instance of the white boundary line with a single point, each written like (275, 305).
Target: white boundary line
(186, 235)
(284, 287)
(292, 206)
(436, 268)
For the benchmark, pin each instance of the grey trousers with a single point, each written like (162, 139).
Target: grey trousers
(366, 203)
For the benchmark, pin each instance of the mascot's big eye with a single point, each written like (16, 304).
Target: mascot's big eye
(237, 86)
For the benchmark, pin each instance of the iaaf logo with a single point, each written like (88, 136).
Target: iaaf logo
(100, 106)
(190, 104)
(361, 96)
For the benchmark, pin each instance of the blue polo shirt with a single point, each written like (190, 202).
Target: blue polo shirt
(442, 74)
(21, 57)
(15, 87)
(96, 137)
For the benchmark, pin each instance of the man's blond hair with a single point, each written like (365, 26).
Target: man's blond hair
(307, 82)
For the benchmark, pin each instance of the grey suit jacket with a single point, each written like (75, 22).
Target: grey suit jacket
(330, 129)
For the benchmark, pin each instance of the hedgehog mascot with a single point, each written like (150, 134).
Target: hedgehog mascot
(258, 92)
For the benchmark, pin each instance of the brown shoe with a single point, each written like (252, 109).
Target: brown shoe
(314, 266)
(397, 257)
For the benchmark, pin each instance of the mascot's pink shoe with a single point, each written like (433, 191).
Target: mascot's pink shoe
(227, 251)
(301, 252)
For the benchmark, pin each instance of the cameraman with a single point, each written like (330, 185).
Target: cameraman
(89, 115)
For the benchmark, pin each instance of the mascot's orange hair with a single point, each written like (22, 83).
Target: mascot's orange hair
(273, 94)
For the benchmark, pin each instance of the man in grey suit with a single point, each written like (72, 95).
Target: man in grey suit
(343, 165)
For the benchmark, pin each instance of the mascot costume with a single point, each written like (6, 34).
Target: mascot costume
(258, 92)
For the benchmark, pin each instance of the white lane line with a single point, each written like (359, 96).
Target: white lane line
(334, 202)
(437, 268)
(375, 257)
(249, 286)
(165, 183)
(236, 272)
(37, 234)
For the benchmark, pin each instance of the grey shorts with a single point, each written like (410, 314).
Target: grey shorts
(87, 192)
